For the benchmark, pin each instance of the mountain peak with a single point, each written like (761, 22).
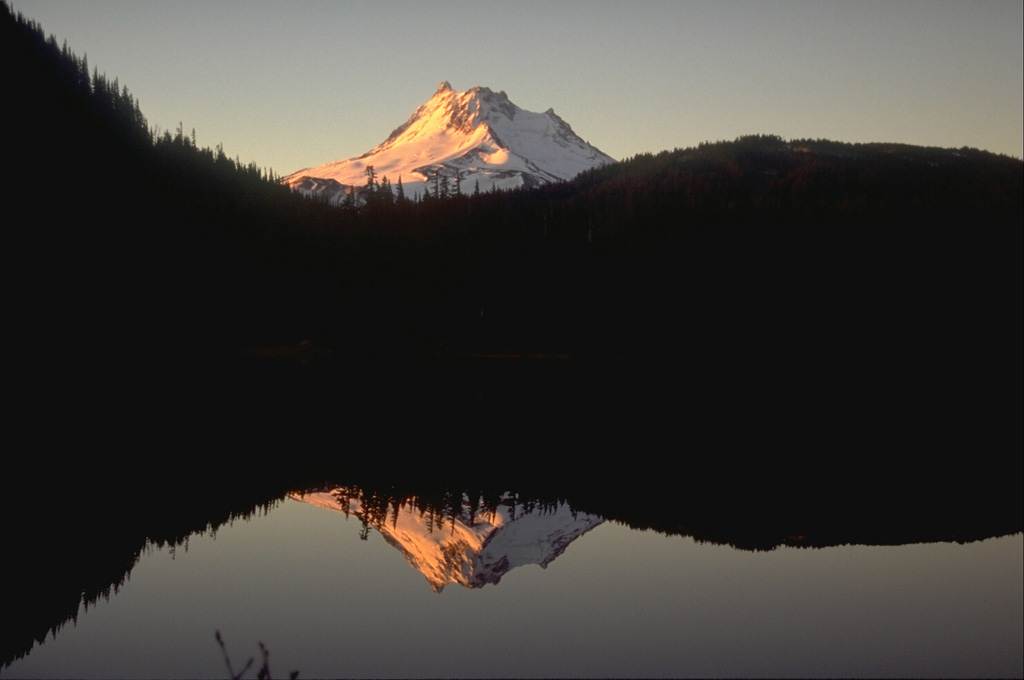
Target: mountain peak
(477, 138)
(477, 546)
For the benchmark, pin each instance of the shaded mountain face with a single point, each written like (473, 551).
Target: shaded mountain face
(475, 138)
(472, 547)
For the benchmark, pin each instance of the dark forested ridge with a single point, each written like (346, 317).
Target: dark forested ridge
(770, 337)
(803, 293)
(150, 236)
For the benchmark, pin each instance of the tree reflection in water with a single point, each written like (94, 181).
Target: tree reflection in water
(453, 535)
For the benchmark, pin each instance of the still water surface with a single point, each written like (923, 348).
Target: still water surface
(617, 602)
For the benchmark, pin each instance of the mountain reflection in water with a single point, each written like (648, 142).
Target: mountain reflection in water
(927, 593)
(470, 545)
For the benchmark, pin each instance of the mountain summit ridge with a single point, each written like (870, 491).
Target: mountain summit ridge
(474, 546)
(478, 137)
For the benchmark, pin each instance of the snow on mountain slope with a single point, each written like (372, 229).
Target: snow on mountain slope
(477, 136)
(475, 548)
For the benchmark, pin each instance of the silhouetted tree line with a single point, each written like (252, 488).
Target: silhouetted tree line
(184, 245)
(72, 554)
(441, 505)
(131, 232)
(673, 507)
(68, 557)
(740, 303)
(754, 291)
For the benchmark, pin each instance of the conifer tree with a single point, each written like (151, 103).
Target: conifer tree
(401, 191)
(387, 197)
(349, 202)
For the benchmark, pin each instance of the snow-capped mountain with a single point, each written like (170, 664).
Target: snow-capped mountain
(477, 137)
(475, 548)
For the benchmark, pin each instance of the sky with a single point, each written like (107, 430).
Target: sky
(291, 85)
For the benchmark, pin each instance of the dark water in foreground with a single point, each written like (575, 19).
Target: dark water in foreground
(616, 602)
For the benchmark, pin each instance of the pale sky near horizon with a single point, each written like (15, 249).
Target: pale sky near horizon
(290, 85)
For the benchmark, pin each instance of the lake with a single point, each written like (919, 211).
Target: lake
(612, 601)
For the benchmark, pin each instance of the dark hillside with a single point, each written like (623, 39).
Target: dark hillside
(125, 233)
(800, 295)
(743, 341)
